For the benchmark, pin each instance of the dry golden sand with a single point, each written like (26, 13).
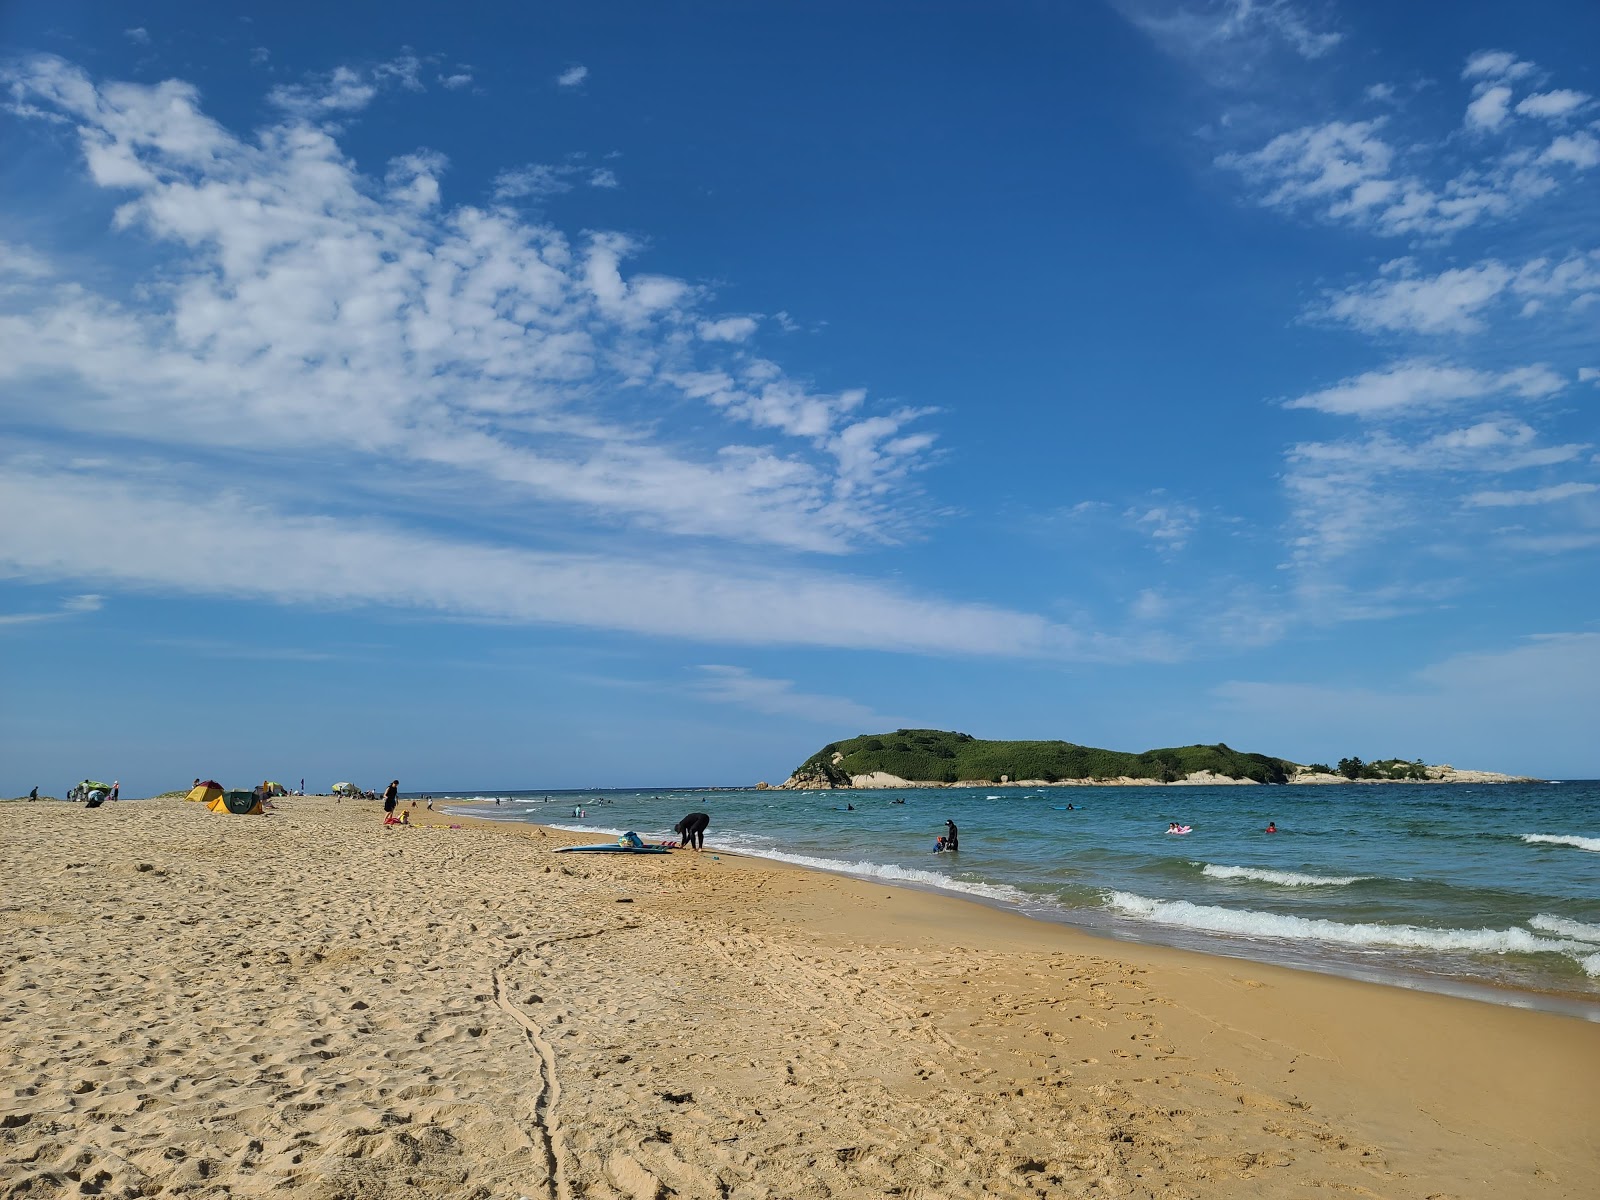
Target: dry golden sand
(306, 1004)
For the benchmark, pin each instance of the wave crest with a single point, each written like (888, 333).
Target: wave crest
(1286, 878)
(1206, 918)
(1592, 844)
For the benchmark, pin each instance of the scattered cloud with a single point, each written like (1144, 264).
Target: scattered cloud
(1490, 109)
(536, 181)
(1554, 105)
(72, 606)
(777, 697)
(456, 81)
(572, 76)
(1547, 495)
(1456, 300)
(307, 309)
(342, 90)
(138, 36)
(1168, 523)
(1349, 172)
(1406, 387)
(1495, 64)
(1227, 40)
(728, 329)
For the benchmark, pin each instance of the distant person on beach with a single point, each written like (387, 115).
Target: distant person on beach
(951, 841)
(391, 797)
(693, 830)
(33, 795)
(116, 786)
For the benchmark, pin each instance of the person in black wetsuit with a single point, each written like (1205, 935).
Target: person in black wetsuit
(951, 841)
(693, 830)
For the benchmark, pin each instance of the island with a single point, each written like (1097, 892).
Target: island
(926, 758)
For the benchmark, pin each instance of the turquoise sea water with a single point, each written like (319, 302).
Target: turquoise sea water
(1493, 890)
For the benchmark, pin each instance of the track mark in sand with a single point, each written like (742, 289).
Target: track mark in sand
(545, 1117)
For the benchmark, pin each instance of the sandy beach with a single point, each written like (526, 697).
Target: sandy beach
(307, 1004)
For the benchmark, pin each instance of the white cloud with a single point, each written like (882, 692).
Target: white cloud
(1579, 150)
(1226, 40)
(1350, 494)
(1168, 523)
(1491, 109)
(1445, 303)
(777, 697)
(1348, 172)
(1545, 495)
(456, 81)
(305, 310)
(535, 181)
(1456, 300)
(140, 534)
(1552, 105)
(1408, 386)
(728, 329)
(138, 35)
(572, 76)
(1495, 64)
(70, 607)
(1589, 374)
(1537, 697)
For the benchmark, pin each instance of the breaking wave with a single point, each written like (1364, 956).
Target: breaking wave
(1207, 918)
(1560, 839)
(1286, 878)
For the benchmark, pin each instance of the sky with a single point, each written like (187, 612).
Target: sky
(554, 395)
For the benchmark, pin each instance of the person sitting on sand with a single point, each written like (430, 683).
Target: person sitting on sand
(693, 830)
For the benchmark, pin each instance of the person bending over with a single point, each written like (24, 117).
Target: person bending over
(693, 830)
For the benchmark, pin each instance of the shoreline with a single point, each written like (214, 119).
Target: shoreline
(1101, 926)
(325, 1004)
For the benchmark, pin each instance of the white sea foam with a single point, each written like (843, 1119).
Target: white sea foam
(1247, 923)
(888, 871)
(1287, 878)
(1592, 844)
(1578, 931)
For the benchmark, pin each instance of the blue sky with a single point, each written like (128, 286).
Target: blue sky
(557, 395)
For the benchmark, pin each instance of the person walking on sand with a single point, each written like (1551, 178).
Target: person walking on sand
(33, 795)
(391, 797)
(693, 830)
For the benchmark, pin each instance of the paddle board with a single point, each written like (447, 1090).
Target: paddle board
(613, 848)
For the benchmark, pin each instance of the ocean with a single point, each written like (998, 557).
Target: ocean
(1484, 890)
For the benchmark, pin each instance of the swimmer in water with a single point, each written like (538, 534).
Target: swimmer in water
(1272, 827)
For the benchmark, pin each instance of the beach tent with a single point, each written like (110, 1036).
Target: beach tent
(82, 791)
(340, 789)
(240, 803)
(274, 789)
(205, 791)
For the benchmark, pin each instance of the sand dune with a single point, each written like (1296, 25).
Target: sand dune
(309, 1005)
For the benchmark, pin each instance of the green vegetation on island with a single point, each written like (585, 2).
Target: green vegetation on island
(935, 756)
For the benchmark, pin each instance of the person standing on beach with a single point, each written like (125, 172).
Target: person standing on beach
(693, 830)
(33, 795)
(116, 786)
(391, 797)
(951, 841)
